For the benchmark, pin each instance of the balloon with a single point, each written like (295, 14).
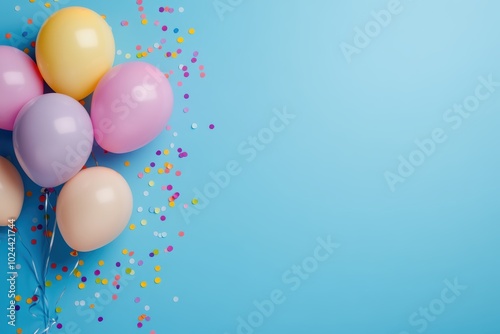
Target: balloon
(93, 208)
(11, 192)
(20, 81)
(74, 49)
(52, 138)
(130, 106)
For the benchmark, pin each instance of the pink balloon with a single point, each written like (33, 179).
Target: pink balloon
(20, 81)
(131, 106)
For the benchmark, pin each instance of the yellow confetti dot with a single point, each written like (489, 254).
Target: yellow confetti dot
(144, 222)
(157, 280)
(194, 201)
(160, 171)
(174, 54)
(91, 305)
(127, 163)
(32, 1)
(166, 152)
(58, 277)
(147, 170)
(98, 280)
(19, 331)
(171, 204)
(128, 270)
(58, 309)
(157, 268)
(81, 263)
(48, 283)
(78, 274)
(180, 39)
(127, 56)
(144, 54)
(100, 263)
(191, 31)
(151, 183)
(18, 298)
(103, 16)
(47, 5)
(144, 284)
(144, 21)
(124, 251)
(104, 281)
(29, 301)
(156, 252)
(132, 227)
(157, 210)
(81, 285)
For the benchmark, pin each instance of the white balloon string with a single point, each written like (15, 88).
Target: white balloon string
(40, 291)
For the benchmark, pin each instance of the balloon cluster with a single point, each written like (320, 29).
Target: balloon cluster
(53, 134)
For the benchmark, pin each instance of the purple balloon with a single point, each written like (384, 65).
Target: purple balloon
(53, 138)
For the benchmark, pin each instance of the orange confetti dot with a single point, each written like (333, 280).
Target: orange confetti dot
(8, 35)
(30, 21)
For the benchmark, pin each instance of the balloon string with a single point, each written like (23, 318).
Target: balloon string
(93, 157)
(40, 290)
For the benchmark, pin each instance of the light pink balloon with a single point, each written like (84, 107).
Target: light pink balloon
(131, 106)
(20, 81)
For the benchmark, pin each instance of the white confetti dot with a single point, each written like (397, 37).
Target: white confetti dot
(17, 8)
(194, 126)
(97, 295)
(172, 145)
(181, 9)
(163, 208)
(77, 302)
(131, 261)
(156, 45)
(164, 234)
(119, 52)
(155, 233)
(175, 134)
(35, 220)
(146, 193)
(181, 66)
(139, 209)
(146, 308)
(175, 299)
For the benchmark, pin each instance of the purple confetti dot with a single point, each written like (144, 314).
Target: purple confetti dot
(137, 299)
(211, 126)
(186, 96)
(18, 307)
(186, 74)
(179, 51)
(140, 263)
(179, 149)
(184, 68)
(59, 326)
(152, 164)
(39, 226)
(170, 10)
(40, 207)
(194, 60)
(100, 319)
(139, 324)
(148, 318)
(168, 54)
(161, 9)
(118, 287)
(162, 218)
(158, 152)
(151, 254)
(97, 272)
(84, 279)
(195, 53)
(118, 264)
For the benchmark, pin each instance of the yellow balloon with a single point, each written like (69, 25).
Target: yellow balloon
(11, 192)
(93, 208)
(74, 49)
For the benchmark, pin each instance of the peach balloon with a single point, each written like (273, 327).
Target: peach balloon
(11, 192)
(93, 208)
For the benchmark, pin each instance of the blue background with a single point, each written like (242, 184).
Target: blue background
(323, 175)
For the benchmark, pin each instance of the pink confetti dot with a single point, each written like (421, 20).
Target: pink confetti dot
(201, 67)
(169, 187)
(186, 109)
(138, 47)
(211, 126)
(164, 28)
(137, 299)
(195, 53)
(170, 248)
(124, 23)
(202, 75)
(178, 173)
